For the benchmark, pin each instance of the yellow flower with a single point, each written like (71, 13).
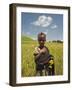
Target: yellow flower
(51, 62)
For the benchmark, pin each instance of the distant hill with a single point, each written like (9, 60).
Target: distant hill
(25, 38)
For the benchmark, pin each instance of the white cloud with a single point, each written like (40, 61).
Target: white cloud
(54, 27)
(43, 21)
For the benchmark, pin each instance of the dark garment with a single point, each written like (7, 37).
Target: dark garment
(42, 62)
(39, 67)
(42, 57)
(50, 71)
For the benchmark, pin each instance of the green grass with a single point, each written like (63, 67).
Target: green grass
(27, 62)
(25, 38)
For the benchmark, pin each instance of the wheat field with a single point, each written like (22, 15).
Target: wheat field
(27, 57)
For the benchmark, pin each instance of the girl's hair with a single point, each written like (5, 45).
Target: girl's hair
(41, 36)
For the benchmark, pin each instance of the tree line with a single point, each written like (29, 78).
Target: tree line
(56, 41)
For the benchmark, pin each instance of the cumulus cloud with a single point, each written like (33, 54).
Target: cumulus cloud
(43, 21)
(54, 26)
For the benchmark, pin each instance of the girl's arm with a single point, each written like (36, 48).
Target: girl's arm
(37, 56)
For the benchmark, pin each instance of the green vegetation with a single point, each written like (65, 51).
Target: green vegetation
(25, 39)
(27, 49)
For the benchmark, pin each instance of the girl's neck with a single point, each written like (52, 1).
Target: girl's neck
(41, 47)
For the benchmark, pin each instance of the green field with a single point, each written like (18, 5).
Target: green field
(27, 59)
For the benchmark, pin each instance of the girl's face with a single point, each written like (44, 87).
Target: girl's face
(41, 42)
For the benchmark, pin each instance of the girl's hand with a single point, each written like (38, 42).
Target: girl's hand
(37, 50)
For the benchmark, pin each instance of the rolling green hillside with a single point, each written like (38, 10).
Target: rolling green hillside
(25, 38)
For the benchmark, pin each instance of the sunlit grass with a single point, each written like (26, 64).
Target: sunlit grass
(27, 57)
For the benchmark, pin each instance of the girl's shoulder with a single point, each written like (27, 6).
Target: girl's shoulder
(46, 48)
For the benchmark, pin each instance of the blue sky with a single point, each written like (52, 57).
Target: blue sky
(50, 24)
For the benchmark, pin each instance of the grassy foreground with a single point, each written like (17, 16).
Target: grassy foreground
(27, 58)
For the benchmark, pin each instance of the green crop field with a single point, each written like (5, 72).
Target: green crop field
(27, 58)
